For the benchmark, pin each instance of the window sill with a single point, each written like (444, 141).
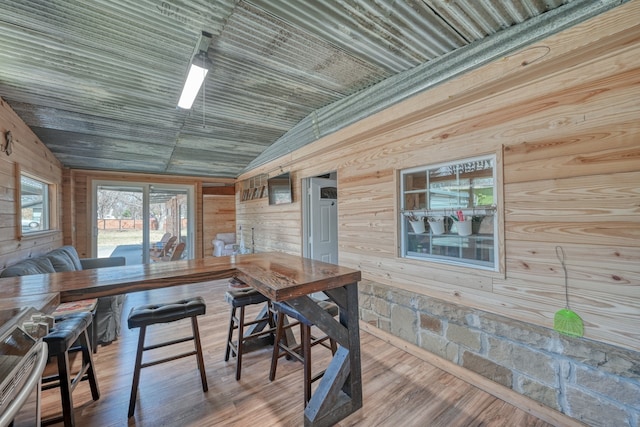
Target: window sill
(451, 265)
(37, 234)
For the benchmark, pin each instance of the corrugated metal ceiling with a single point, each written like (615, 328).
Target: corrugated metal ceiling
(98, 82)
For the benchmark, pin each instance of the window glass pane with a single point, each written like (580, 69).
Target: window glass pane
(449, 193)
(329, 193)
(143, 222)
(415, 193)
(448, 213)
(34, 202)
(415, 181)
(416, 200)
(482, 192)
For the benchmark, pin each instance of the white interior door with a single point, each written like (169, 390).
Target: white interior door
(323, 220)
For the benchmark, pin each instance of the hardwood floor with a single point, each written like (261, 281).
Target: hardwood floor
(398, 388)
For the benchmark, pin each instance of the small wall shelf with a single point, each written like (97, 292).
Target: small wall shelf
(254, 188)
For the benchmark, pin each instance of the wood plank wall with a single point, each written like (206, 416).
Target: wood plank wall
(73, 198)
(563, 117)
(32, 157)
(275, 227)
(219, 217)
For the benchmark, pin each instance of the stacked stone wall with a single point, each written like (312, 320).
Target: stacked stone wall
(595, 383)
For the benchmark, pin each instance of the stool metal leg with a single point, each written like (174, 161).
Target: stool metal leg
(136, 371)
(276, 346)
(230, 335)
(87, 361)
(94, 334)
(305, 332)
(65, 389)
(199, 356)
(240, 344)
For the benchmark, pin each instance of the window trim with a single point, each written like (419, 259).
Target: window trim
(51, 205)
(497, 266)
(147, 187)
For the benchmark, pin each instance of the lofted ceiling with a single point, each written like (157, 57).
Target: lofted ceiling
(99, 81)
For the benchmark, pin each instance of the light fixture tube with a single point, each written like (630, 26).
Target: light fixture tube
(192, 86)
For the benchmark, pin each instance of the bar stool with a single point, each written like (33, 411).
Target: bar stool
(143, 316)
(87, 305)
(241, 298)
(69, 335)
(300, 352)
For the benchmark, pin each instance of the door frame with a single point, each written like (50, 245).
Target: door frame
(146, 190)
(307, 214)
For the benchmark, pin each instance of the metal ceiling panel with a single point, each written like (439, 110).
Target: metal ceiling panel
(392, 35)
(403, 85)
(476, 19)
(98, 82)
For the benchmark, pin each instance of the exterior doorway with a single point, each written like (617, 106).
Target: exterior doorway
(320, 218)
(131, 219)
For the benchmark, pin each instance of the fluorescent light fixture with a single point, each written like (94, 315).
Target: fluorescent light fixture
(195, 78)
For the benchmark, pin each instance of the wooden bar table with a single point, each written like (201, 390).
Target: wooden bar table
(279, 276)
(45, 303)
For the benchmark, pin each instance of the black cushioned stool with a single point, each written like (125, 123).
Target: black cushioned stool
(301, 352)
(143, 316)
(69, 335)
(240, 298)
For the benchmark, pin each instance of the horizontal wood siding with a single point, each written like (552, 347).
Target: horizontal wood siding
(563, 118)
(32, 157)
(275, 227)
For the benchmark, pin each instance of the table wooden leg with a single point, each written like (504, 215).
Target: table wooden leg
(339, 393)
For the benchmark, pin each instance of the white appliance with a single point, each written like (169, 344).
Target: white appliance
(22, 361)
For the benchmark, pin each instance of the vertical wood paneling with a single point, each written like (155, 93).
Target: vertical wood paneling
(82, 201)
(219, 216)
(563, 119)
(68, 208)
(199, 220)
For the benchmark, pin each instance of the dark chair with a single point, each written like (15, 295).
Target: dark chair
(176, 254)
(69, 335)
(241, 298)
(300, 352)
(143, 316)
(158, 254)
(87, 305)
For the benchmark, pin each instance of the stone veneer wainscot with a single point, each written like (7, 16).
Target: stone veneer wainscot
(595, 383)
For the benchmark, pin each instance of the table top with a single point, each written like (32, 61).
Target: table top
(277, 275)
(45, 303)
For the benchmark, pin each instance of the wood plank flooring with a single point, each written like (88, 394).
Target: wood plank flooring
(399, 388)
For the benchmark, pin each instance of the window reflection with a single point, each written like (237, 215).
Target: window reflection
(34, 203)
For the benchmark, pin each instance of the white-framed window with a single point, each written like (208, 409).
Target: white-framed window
(448, 213)
(35, 212)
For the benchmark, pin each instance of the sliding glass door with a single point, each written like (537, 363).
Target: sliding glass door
(142, 222)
